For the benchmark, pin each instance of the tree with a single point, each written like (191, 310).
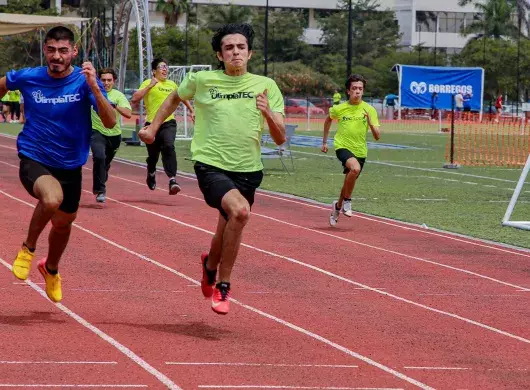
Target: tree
(218, 15)
(172, 10)
(375, 35)
(495, 21)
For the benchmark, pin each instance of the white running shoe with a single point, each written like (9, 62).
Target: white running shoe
(346, 208)
(334, 216)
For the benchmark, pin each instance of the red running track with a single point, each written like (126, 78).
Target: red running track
(372, 304)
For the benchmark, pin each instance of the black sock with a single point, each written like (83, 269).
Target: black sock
(223, 285)
(51, 271)
(29, 249)
(210, 274)
(347, 199)
(337, 206)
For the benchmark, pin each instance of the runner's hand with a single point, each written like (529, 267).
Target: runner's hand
(90, 74)
(324, 148)
(262, 102)
(146, 135)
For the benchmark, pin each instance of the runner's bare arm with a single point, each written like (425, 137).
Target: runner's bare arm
(3, 87)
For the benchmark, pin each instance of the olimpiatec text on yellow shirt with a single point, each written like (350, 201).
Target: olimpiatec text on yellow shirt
(228, 125)
(353, 126)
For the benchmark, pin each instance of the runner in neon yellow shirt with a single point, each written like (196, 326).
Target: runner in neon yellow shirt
(106, 142)
(232, 106)
(154, 92)
(355, 118)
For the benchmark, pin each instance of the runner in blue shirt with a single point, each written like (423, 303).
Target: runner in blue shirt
(53, 146)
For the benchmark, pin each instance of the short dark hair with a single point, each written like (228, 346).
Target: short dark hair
(353, 79)
(60, 33)
(108, 71)
(157, 62)
(244, 29)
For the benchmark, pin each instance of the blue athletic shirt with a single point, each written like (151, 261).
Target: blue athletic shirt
(58, 124)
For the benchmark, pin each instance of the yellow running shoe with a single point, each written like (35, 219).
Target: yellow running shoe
(53, 282)
(22, 263)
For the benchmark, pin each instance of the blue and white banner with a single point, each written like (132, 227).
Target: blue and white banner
(425, 86)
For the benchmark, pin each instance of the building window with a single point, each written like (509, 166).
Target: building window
(425, 21)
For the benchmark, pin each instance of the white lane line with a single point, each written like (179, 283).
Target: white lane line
(293, 387)
(315, 268)
(436, 368)
(250, 308)
(120, 347)
(386, 221)
(260, 364)
(69, 386)
(52, 362)
(342, 239)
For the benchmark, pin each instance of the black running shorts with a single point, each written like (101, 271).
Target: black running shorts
(215, 183)
(344, 155)
(70, 180)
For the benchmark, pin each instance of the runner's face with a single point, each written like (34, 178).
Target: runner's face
(234, 51)
(161, 71)
(108, 81)
(59, 55)
(356, 90)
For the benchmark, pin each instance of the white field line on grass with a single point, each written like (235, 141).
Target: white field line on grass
(120, 347)
(250, 308)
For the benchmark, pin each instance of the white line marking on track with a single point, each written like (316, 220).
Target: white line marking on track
(339, 238)
(51, 362)
(455, 316)
(250, 308)
(120, 347)
(68, 386)
(382, 220)
(436, 368)
(292, 387)
(260, 364)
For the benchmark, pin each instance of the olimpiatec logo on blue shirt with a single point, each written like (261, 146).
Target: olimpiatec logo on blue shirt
(41, 99)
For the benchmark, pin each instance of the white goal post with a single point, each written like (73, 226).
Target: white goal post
(177, 74)
(506, 220)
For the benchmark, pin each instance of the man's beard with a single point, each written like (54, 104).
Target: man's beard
(55, 67)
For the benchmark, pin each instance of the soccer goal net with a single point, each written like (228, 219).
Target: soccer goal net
(507, 220)
(184, 123)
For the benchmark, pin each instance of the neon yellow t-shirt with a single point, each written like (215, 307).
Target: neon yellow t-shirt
(156, 96)
(119, 100)
(228, 125)
(353, 126)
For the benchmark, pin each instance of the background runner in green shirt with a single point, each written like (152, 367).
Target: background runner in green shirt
(106, 142)
(232, 106)
(154, 92)
(355, 118)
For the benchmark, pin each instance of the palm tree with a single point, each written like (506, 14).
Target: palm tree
(496, 19)
(217, 16)
(172, 10)
(425, 18)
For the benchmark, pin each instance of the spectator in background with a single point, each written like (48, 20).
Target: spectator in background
(498, 108)
(434, 105)
(467, 106)
(336, 98)
(459, 105)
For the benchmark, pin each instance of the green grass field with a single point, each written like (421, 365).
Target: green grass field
(403, 184)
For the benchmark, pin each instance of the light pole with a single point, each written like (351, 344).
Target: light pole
(350, 41)
(265, 44)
